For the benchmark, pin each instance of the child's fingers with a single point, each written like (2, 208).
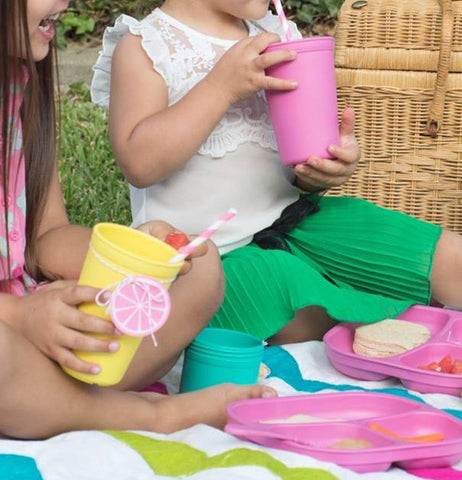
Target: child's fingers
(83, 322)
(68, 359)
(348, 154)
(200, 250)
(57, 284)
(273, 83)
(332, 168)
(79, 294)
(347, 125)
(79, 341)
(185, 268)
(262, 41)
(265, 60)
(156, 228)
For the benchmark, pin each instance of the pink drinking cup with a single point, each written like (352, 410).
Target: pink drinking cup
(305, 119)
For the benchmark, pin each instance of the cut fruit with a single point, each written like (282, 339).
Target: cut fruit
(446, 363)
(177, 239)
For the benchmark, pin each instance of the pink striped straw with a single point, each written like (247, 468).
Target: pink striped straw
(183, 252)
(282, 18)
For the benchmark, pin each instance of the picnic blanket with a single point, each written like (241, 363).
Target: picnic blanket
(204, 453)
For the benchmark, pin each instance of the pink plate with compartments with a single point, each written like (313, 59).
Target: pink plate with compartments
(363, 431)
(446, 338)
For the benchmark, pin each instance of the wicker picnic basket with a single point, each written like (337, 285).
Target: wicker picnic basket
(399, 64)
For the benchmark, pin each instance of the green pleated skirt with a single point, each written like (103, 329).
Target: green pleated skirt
(359, 261)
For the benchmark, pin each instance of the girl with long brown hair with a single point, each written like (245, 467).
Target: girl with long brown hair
(40, 327)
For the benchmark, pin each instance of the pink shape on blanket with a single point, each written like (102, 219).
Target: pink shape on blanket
(156, 387)
(437, 473)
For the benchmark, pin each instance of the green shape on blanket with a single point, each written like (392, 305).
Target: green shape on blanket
(176, 459)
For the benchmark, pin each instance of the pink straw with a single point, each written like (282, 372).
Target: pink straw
(282, 18)
(183, 252)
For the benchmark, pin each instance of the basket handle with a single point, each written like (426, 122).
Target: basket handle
(436, 111)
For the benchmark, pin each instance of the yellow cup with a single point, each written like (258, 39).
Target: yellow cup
(115, 252)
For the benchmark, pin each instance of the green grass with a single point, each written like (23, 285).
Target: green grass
(93, 187)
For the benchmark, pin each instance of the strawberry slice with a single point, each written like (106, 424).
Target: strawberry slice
(177, 239)
(434, 366)
(446, 364)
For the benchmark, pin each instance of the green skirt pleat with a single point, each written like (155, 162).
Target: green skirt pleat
(359, 261)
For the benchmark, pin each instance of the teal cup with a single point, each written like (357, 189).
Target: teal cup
(218, 355)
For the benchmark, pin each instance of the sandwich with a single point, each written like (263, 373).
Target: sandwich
(389, 337)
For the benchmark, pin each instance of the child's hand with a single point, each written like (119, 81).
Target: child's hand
(241, 71)
(50, 320)
(207, 405)
(322, 173)
(163, 231)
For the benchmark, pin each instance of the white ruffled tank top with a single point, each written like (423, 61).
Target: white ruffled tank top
(237, 165)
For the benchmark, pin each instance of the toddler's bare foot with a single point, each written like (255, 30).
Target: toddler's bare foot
(202, 406)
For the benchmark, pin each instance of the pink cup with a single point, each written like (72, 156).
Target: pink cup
(305, 119)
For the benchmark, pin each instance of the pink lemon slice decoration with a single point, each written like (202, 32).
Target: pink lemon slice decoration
(139, 306)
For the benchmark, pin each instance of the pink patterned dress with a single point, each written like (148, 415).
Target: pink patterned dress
(22, 282)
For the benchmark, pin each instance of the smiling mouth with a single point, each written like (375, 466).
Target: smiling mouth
(47, 23)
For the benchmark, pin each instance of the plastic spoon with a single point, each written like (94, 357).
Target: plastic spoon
(428, 437)
(254, 430)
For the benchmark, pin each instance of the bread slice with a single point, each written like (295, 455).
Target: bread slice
(389, 337)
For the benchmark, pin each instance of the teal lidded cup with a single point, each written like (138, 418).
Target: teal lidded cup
(218, 355)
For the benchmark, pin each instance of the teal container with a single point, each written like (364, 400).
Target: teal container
(218, 355)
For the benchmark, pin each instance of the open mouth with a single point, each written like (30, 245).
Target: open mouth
(47, 23)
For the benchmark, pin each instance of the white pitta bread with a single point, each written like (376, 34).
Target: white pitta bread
(389, 337)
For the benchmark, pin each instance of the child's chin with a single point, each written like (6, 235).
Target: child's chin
(40, 54)
(258, 15)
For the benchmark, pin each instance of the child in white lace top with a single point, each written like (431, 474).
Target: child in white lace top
(191, 132)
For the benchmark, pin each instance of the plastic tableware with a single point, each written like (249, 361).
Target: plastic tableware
(446, 338)
(219, 355)
(347, 416)
(115, 253)
(305, 119)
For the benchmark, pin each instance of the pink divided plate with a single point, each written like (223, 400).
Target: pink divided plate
(446, 338)
(364, 431)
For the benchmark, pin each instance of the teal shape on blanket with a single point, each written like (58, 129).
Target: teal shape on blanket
(18, 467)
(177, 459)
(285, 367)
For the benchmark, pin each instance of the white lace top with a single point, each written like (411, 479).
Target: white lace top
(236, 166)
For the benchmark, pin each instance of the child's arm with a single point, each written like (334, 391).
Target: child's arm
(62, 247)
(151, 140)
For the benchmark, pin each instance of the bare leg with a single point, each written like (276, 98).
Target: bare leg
(195, 298)
(37, 399)
(309, 323)
(446, 275)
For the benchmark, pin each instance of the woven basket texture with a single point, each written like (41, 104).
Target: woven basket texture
(399, 64)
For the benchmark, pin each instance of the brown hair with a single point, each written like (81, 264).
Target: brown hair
(38, 117)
